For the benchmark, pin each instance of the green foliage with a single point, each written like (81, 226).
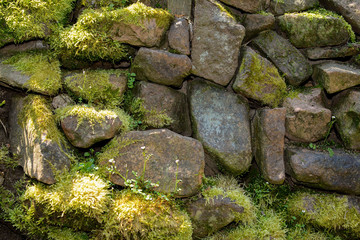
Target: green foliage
(6, 159)
(130, 80)
(66, 234)
(111, 4)
(43, 69)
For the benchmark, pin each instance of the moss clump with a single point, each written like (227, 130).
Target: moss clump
(27, 19)
(228, 187)
(328, 211)
(95, 87)
(133, 217)
(43, 69)
(66, 234)
(92, 116)
(104, 3)
(5, 159)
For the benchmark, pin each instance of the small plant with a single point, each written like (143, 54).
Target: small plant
(88, 163)
(130, 80)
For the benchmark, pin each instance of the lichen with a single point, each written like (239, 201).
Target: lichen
(43, 69)
(223, 9)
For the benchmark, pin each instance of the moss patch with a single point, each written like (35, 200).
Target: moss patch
(43, 69)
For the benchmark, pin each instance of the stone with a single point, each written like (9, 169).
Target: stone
(336, 76)
(286, 6)
(61, 101)
(346, 109)
(169, 157)
(285, 57)
(220, 121)
(85, 134)
(166, 100)
(306, 117)
(314, 30)
(268, 143)
(12, 77)
(179, 36)
(35, 138)
(339, 172)
(27, 46)
(349, 9)
(256, 23)
(259, 79)
(347, 50)
(182, 7)
(251, 6)
(209, 216)
(216, 42)
(161, 67)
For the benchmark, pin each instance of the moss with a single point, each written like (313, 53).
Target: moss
(223, 9)
(328, 211)
(300, 233)
(95, 87)
(133, 217)
(228, 187)
(66, 234)
(104, 3)
(92, 116)
(43, 69)
(5, 158)
(24, 20)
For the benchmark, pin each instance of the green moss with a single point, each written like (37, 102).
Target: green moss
(223, 9)
(27, 19)
(228, 187)
(104, 3)
(66, 234)
(328, 211)
(5, 159)
(43, 69)
(133, 217)
(300, 233)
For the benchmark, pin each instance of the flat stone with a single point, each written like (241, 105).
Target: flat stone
(182, 7)
(61, 101)
(268, 143)
(259, 79)
(256, 23)
(346, 109)
(285, 57)
(349, 9)
(335, 77)
(347, 50)
(251, 6)
(165, 148)
(209, 216)
(220, 121)
(12, 77)
(306, 117)
(216, 42)
(161, 67)
(286, 6)
(339, 172)
(179, 36)
(166, 100)
(28, 46)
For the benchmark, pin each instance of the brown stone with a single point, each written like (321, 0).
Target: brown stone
(182, 7)
(61, 101)
(347, 50)
(179, 36)
(256, 23)
(251, 6)
(279, 7)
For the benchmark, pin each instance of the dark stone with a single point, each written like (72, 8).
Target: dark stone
(251, 6)
(256, 23)
(279, 7)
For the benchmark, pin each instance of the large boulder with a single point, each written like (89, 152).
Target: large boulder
(339, 171)
(165, 100)
(161, 67)
(349, 9)
(179, 36)
(216, 42)
(35, 138)
(268, 134)
(259, 79)
(285, 6)
(251, 6)
(306, 117)
(162, 156)
(285, 57)
(220, 121)
(347, 50)
(335, 77)
(346, 109)
(314, 29)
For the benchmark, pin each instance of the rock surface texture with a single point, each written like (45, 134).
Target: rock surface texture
(251, 6)
(220, 121)
(179, 36)
(333, 52)
(339, 172)
(216, 42)
(256, 23)
(280, 7)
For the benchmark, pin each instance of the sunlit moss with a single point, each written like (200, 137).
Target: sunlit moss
(43, 69)
(300, 233)
(133, 217)
(66, 234)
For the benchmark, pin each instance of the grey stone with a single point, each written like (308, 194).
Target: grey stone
(161, 67)
(285, 57)
(182, 7)
(179, 36)
(166, 100)
(251, 6)
(256, 23)
(346, 109)
(216, 42)
(61, 101)
(339, 172)
(306, 117)
(259, 79)
(220, 120)
(164, 148)
(10, 76)
(279, 7)
(32, 45)
(209, 216)
(314, 31)
(335, 77)
(347, 50)
(268, 142)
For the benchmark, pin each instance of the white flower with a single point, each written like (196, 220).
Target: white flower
(177, 161)
(111, 160)
(303, 211)
(143, 147)
(333, 117)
